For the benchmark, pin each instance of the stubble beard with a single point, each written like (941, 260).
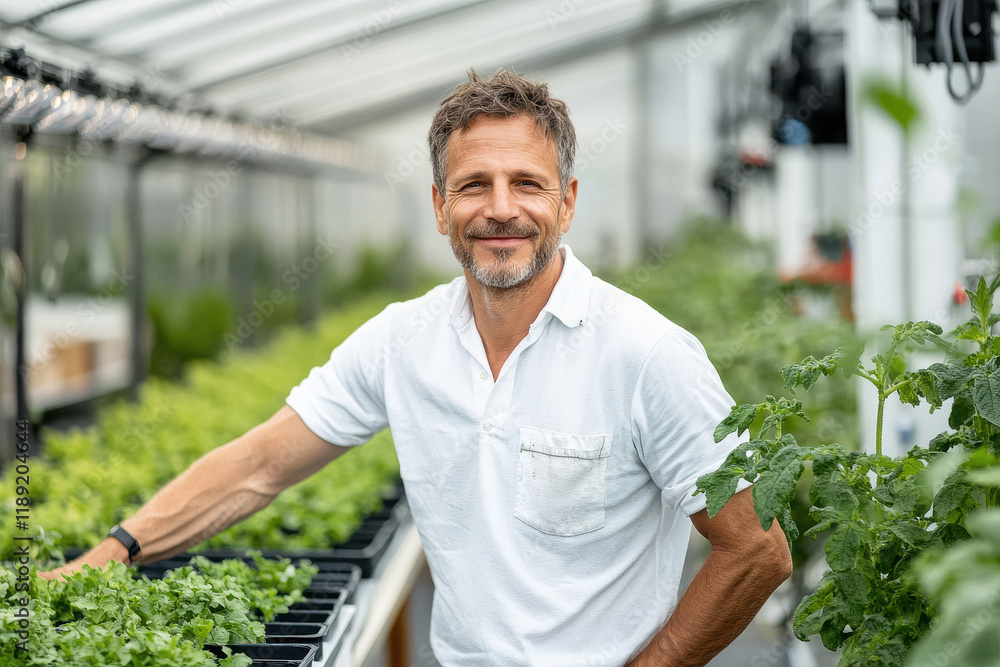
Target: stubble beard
(502, 273)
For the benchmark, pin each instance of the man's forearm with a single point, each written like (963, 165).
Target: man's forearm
(744, 567)
(722, 599)
(218, 490)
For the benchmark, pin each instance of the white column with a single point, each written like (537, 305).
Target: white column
(903, 226)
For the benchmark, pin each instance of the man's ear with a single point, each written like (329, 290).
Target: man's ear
(442, 221)
(568, 206)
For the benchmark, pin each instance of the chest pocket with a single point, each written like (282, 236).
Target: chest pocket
(561, 481)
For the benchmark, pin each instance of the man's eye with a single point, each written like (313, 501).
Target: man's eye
(529, 184)
(472, 186)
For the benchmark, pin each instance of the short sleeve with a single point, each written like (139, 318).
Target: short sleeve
(678, 401)
(343, 401)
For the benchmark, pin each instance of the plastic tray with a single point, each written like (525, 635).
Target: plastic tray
(313, 634)
(271, 655)
(364, 548)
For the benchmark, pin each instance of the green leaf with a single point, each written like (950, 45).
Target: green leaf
(810, 612)
(950, 378)
(963, 408)
(775, 488)
(832, 491)
(986, 396)
(855, 589)
(981, 301)
(844, 546)
(719, 487)
(806, 373)
(738, 420)
(832, 633)
(893, 101)
(955, 494)
(913, 535)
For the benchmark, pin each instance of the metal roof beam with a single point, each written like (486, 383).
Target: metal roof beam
(31, 21)
(144, 18)
(433, 15)
(658, 25)
(84, 50)
(195, 32)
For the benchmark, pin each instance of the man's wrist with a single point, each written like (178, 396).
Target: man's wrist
(131, 545)
(108, 550)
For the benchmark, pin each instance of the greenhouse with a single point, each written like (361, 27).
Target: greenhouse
(440, 333)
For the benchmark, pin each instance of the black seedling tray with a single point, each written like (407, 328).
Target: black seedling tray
(271, 655)
(324, 598)
(305, 616)
(331, 575)
(313, 634)
(364, 548)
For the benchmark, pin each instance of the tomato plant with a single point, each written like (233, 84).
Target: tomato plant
(888, 522)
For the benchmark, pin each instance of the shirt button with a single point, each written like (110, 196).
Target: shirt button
(482, 376)
(487, 426)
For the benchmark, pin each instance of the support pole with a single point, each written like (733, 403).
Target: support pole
(20, 243)
(643, 165)
(311, 288)
(136, 274)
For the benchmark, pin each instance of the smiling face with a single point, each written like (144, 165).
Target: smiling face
(503, 209)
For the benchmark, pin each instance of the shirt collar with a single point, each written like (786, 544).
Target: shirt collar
(568, 301)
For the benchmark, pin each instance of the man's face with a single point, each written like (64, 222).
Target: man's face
(502, 207)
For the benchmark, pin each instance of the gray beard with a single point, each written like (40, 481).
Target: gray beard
(501, 274)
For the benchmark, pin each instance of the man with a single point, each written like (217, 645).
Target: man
(549, 427)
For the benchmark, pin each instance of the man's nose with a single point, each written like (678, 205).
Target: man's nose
(500, 204)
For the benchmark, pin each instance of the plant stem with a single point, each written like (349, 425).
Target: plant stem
(896, 387)
(878, 436)
(862, 373)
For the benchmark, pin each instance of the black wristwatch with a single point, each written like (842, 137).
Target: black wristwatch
(127, 540)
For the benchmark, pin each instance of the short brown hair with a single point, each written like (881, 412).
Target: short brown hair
(505, 94)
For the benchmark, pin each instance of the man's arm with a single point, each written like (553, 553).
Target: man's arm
(221, 488)
(745, 565)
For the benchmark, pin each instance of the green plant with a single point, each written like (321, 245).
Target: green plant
(105, 616)
(880, 513)
(90, 479)
(187, 327)
(271, 585)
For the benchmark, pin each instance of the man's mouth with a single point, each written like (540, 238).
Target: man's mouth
(500, 241)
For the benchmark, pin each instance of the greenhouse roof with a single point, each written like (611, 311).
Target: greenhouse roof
(319, 65)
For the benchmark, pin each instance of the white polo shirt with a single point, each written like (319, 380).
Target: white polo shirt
(552, 504)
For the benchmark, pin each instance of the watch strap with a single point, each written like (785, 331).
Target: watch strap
(127, 540)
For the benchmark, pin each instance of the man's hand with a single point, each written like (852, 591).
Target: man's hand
(107, 551)
(221, 488)
(744, 567)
